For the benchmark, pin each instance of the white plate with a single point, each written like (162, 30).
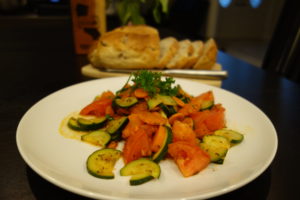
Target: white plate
(62, 161)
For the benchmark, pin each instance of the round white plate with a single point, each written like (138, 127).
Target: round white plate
(62, 161)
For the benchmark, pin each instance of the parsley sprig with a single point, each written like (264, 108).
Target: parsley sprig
(153, 83)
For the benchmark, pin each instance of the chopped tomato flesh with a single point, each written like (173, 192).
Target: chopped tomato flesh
(195, 104)
(190, 158)
(136, 146)
(96, 108)
(183, 132)
(208, 121)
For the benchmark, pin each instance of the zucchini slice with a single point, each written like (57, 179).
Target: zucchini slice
(168, 110)
(101, 163)
(99, 138)
(125, 102)
(158, 99)
(216, 146)
(73, 124)
(115, 127)
(161, 153)
(86, 124)
(207, 104)
(91, 124)
(141, 171)
(234, 137)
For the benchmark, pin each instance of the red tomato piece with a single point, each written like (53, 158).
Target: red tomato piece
(96, 108)
(190, 158)
(208, 121)
(136, 146)
(195, 104)
(183, 132)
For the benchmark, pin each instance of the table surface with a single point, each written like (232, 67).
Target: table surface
(37, 62)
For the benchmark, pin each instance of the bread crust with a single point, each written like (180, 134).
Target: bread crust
(135, 46)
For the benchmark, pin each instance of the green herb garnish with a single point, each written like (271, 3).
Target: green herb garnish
(153, 83)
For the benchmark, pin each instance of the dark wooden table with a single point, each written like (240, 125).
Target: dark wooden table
(36, 59)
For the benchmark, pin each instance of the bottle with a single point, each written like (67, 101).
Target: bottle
(89, 23)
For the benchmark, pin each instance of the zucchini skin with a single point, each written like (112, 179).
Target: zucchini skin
(139, 181)
(158, 99)
(141, 171)
(216, 146)
(101, 163)
(91, 124)
(98, 137)
(115, 127)
(125, 102)
(168, 110)
(206, 105)
(73, 124)
(160, 155)
(83, 124)
(234, 137)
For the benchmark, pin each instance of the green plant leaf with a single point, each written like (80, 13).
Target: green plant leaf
(136, 17)
(164, 5)
(130, 10)
(156, 14)
(123, 11)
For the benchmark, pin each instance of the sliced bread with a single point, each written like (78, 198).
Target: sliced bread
(168, 48)
(198, 46)
(209, 56)
(181, 58)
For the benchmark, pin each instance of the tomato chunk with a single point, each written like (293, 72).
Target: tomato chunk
(132, 126)
(208, 121)
(196, 103)
(190, 158)
(136, 146)
(183, 132)
(97, 108)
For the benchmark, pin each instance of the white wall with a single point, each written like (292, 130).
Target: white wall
(241, 21)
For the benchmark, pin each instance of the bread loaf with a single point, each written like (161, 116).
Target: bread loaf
(134, 46)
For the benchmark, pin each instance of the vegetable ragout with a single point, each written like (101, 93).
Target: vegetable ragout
(156, 120)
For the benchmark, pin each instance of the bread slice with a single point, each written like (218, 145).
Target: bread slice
(181, 58)
(209, 57)
(135, 46)
(168, 48)
(198, 46)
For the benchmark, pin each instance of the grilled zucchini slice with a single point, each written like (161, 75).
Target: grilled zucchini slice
(91, 124)
(234, 137)
(115, 127)
(161, 153)
(141, 171)
(158, 99)
(207, 104)
(73, 124)
(98, 137)
(216, 146)
(125, 102)
(101, 163)
(86, 124)
(168, 110)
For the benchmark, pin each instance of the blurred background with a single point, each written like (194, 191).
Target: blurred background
(242, 28)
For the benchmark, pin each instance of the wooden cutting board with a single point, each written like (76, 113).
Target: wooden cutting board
(92, 72)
